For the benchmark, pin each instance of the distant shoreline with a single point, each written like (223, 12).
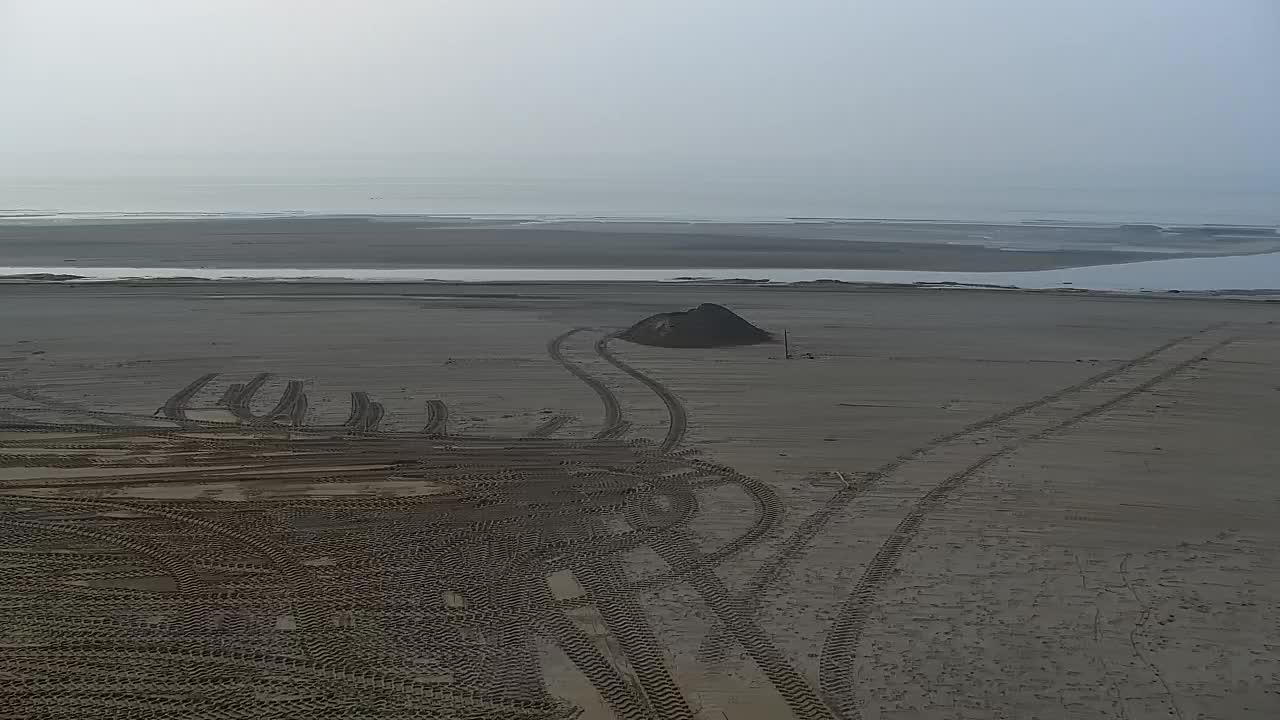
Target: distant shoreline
(20, 216)
(1252, 274)
(400, 242)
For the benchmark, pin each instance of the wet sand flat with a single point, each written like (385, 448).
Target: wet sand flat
(407, 242)
(468, 500)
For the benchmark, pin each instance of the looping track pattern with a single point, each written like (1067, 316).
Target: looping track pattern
(306, 596)
(298, 598)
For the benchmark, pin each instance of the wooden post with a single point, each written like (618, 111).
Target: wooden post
(786, 344)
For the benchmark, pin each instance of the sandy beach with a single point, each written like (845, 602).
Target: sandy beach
(467, 500)
(639, 361)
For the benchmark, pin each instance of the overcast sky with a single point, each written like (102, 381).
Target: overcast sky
(1029, 89)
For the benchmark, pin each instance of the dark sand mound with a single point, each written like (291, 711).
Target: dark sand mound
(708, 325)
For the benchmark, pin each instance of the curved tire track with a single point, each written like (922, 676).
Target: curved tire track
(613, 424)
(444, 697)
(437, 418)
(798, 542)
(550, 427)
(239, 396)
(365, 415)
(300, 580)
(292, 405)
(679, 422)
(175, 407)
(839, 650)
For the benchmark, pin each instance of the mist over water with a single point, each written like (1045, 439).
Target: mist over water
(1143, 110)
(683, 196)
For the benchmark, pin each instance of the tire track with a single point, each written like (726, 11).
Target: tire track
(175, 407)
(798, 542)
(437, 418)
(839, 651)
(679, 419)
(616, 692)
(805, 703)
(612, 424)
(627, 622)
(239, 396)
(11, 418)
(184, 577)
(442, 696)
(406, 587)
(359, 406)
(292, 405)
(365, 415)
(60, 405)
(550, 427)
(299, 579)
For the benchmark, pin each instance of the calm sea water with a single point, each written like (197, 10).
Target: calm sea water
(1249, 272)
(649, 196)
(723, 197)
